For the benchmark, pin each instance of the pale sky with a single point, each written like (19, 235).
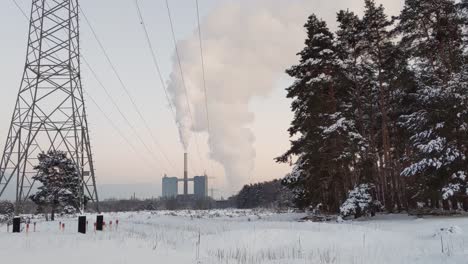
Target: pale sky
(223, 23)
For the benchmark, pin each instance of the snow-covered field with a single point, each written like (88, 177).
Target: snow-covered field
(236, 236)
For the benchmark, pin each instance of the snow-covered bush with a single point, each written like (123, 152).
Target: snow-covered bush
(7, 210)
(69, 210)
(360, 202)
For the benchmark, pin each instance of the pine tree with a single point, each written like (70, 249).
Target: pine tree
(61, 185)
(432, 37)
(328, 137)
(308, 91)
(383, 61)
(377, 75)
(351, 46)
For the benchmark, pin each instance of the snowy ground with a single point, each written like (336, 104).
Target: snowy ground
(236, 236)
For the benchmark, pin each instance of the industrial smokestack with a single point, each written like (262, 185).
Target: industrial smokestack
(185, 174)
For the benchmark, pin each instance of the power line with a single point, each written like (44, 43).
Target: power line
(204, 77)
(182, 76)
(116, 128)
(120, 110)
(155, 60)
(156, 64)
(20, 9)
(130, 97)
(203, 67)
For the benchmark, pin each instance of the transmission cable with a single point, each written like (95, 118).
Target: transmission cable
(156, 64)
(204, 78)
(124, 87)
(203, 67)
(120, 110)
(20, 9)
(182, 76)
(116, 128)
(155, 60)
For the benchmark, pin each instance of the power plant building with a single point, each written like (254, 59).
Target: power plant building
(170, 184)
(200, 186)
(170, 187)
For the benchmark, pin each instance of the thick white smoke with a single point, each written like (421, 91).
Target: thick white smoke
(247, 46)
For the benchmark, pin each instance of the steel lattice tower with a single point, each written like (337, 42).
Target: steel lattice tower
(50, 109)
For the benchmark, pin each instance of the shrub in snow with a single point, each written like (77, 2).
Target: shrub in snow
(360, 202)
(7, 208)
(69, 210)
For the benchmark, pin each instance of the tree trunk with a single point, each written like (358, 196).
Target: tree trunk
(454, 202)
(446, 205)
(465, 204)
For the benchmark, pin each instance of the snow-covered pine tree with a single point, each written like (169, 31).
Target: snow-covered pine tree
(361, 202)
(328, 138)
(61, 185)
(312, 78)
(432, 35)
(376, 71)
(350, 44)
(384, 66)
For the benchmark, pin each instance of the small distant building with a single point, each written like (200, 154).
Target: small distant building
(200, 186)
(170, 187)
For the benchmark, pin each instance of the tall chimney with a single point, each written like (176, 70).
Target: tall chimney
(185, 174)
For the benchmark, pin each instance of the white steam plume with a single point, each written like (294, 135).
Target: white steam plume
(247, 46)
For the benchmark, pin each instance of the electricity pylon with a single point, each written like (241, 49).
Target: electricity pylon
(50, 112)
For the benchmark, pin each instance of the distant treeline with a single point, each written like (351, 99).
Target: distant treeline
(271, 194)
(128, 205)
(119, 205)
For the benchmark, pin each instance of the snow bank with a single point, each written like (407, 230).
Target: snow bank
(240, 237)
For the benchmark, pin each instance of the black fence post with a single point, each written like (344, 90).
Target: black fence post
(16, 224)
(99, 222)
(82, 224)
